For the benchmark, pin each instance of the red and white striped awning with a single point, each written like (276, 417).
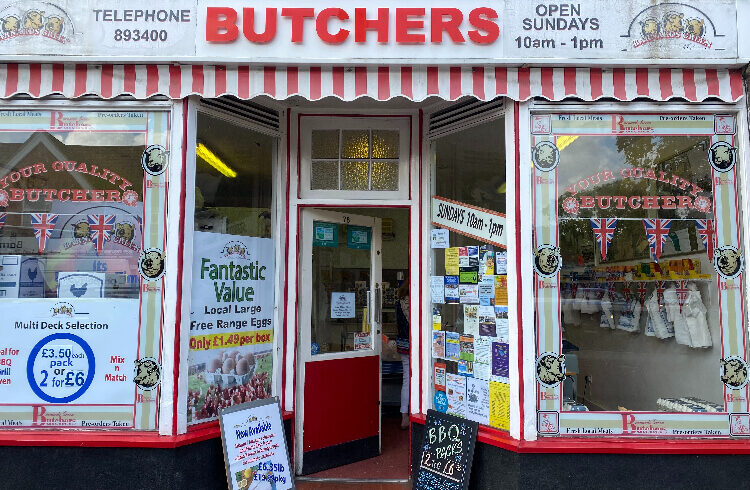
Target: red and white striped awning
(378, 82)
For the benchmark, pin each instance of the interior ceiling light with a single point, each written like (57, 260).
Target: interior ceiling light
(564, 141)
(202, 151)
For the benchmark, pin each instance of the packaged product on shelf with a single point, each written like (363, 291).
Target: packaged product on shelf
(694, 312)
(630, 316)
(658, 323)
(607, 320)
(674, 315)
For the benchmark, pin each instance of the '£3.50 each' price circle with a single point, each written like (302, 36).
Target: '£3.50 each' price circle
(60, 368)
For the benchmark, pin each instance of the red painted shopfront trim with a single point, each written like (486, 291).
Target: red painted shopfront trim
(619, 445)
(202, 432)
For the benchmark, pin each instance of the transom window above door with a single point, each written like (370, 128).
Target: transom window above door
(354, 157)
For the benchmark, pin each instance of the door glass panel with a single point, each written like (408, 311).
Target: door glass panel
(340, 280)
(355, 160)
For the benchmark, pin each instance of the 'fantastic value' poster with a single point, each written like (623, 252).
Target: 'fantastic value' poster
(231, 322)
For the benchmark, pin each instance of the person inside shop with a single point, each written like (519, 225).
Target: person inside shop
(402, 347)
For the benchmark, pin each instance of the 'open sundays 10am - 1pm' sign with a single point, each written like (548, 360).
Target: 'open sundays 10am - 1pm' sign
(482, 224)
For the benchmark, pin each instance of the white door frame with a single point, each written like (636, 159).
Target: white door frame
(304, 353)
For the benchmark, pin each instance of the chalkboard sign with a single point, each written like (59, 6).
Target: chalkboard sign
(255, 452)
(447, 452)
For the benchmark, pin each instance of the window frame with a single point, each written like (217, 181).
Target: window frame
(163, 413)
(194, 107)
(310, 124)
(508, 111)
(530, 385)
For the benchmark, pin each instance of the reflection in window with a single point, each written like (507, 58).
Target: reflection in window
(638, 207)
(71, 225)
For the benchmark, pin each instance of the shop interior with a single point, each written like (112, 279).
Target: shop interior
(640, 329)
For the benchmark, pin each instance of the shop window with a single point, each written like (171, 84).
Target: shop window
(82, 240)
(364, 158)
(232, 305)
(468, 283)
(638, 262)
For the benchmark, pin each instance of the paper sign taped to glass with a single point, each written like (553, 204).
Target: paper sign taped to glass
(483, 224)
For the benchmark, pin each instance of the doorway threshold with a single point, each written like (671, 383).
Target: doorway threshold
(351, 480)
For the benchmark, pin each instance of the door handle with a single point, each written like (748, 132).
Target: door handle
(378, 306)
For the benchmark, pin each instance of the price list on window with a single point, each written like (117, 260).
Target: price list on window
(447, 452)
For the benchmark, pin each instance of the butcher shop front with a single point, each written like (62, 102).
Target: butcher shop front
(531, 216)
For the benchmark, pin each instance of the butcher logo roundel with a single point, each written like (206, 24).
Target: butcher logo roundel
(154, 160)
(547, 260)
(545, 156)
(151, 263)
(147, 373)
(734, 372)
(550, 369)
(728, 262)
(721, 156)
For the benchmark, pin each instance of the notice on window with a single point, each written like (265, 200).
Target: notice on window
(231, 323)
(342, 305)
(478, 400)
(358, 237)
(438, 344)
(452, 294)
(69, 363)
(482, 357)
(500, 358)
(440, 238)
(500, 405)
(439, 376)
(471, 319)
(452, 346)
(451, 261)
(455, 386)
(325, 234)
(484, 225)
(437, 289)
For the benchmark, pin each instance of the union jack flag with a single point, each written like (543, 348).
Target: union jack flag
(3, 217)
(707, 231)
(43, 224)
(682, 292)
(604, 230)
(641, 292)
(101, 226)
(626, 292)
(657, 231)
(660, 287)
